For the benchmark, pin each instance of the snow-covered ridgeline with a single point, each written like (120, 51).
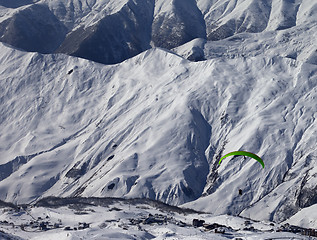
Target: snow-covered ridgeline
(154, 127)
(110, 31)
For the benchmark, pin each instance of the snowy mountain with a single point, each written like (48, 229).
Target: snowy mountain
(155, 125)
(110, 31)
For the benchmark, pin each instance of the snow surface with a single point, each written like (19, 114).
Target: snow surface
(111, 31)
(121, 220)
(155, 125)
(193, 50)
(306, 217)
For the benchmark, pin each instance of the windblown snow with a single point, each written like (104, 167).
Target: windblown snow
(155, 125)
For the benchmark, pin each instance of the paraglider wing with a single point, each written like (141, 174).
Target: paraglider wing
(243, 153)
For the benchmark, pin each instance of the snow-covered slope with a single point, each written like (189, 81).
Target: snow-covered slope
(226, 18)
(94, 114)
(110, 31)
(155, 125)
(306, 217)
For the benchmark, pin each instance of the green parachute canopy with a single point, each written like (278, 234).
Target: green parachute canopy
(244, 153)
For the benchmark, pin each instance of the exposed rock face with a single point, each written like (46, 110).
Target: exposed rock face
(183, 23)
(115, 37)
(34, 29)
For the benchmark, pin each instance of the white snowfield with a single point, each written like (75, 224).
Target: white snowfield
(155, 125)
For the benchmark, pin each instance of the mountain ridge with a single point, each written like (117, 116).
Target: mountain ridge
(122, 29)
(122, 153)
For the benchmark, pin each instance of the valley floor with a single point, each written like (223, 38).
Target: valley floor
(120, 219)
